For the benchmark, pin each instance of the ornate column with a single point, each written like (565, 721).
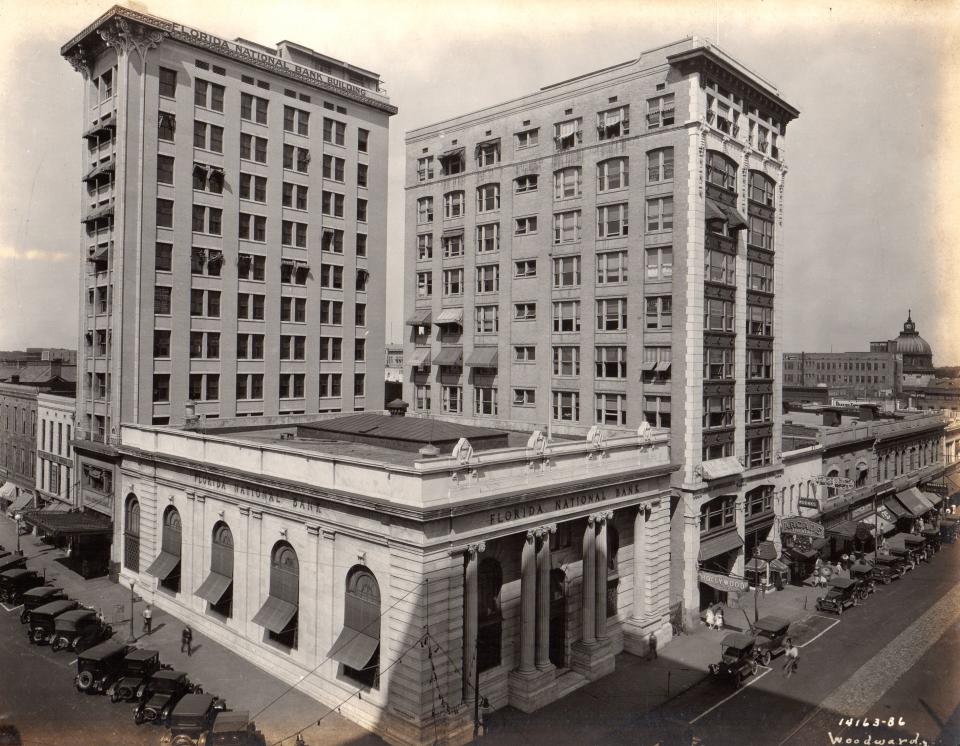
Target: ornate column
(639, 562)
(588, 627)
(543, 596)
(471, 597)
(528, 604)
(600, 608)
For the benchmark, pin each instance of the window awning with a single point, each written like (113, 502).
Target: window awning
(876, 522)
(421, 317)
(913, 502)
(101, 212)
(449, 316)
(275, 614)
(451, 232)
(718, 545)
(483, 357)
(718, 468)
(449, 356)
(99, 170)
(850, 529)
(163, 565)
(648, 366)
(99, 252)
(452, 152)
(213, 588)
(420, 357)
(894, 506)
(730, 215)
(662, 367)
(22, 500)
(354, 648)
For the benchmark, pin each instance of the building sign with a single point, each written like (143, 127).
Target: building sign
(860, 512)
(801, 527)
(565, 502)
(721, 582)
(253, 492)
(808, 502)
(884, 512)
(839, 483)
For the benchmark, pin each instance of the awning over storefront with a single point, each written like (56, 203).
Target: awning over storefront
(421, 317)
(717, 545)
(894, 506)
(420, 357)
(913, 501)
(730, 215)
(54, 521)
(879, 522)
(721, 467)
(163, 565)
(449, 356)
(483, 357)
(275, 614)
(213, 588)
(931, 498)
(953, 483)
(850, 529)
(449, 316)
(766, 551)
(22, 500)
(354, 648)
(7, 491)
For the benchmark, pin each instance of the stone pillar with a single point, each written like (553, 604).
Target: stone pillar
(639, 562)
(543, 597)
(588, 627)
(471, 597)
(528, 603)
(600, 608)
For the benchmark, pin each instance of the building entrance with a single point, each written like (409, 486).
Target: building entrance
(558, 618)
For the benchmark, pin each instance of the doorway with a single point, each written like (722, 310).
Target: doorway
(558, 618)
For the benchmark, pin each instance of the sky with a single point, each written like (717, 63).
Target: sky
(870, 218)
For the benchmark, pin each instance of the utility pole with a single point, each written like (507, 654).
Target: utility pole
(132, 638)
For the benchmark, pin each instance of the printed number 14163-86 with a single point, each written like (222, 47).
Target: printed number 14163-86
(890, 722)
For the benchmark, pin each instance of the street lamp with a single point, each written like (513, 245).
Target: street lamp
(756, 587)
(132, 638)
(19, 518)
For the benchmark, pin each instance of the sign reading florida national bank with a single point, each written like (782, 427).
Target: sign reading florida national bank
(566, 502)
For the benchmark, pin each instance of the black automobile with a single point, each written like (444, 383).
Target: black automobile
(932, 536)
(863, 572)
(882, 572)
(191, 722)
(78, 630)
(770, 631)
(100, 666)
(42, 594)
(841, 594)
(737, 662)
(161, 694)
(41, 626)
(896, 565)
(9, 561)
(137, 668)
(13, 584)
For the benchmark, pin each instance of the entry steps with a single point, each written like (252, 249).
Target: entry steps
(569, 681)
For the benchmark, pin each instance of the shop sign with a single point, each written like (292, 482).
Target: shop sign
(809, 502)
(885, 513)
(721, 582)
(860, 512)
(801, 527)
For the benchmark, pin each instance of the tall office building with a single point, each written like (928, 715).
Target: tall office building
(233, 202)
(606, 251)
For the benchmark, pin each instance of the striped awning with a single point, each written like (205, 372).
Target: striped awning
(483, 357)
(420, 357)
(449, 316)
(420, 317)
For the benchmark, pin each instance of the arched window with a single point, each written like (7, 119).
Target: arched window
(131, 533)
(490, 618)
(358, 646)
(721, 170)
(166, 567)
(218, 587)
(831, 489)
(613, 568)
(613, 173)
(659, 165)
(280, 612)
(762, 188)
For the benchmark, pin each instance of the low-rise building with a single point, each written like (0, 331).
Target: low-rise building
(54, 471)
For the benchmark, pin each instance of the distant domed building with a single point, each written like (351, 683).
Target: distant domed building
(914, 350)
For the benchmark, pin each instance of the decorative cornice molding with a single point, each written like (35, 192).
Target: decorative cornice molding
(126, 36)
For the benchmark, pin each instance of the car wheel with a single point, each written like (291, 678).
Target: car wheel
(765, 658)
(85, 680)
(58, 644)
(24, 616)
(114, 696)
(753, 668)
(138, 716)
(107, 631)
(840, 610)
(36, 637)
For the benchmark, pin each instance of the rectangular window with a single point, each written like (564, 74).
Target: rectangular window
(525, 268)
(452, 400)
(161, 343)
(566, 360)
(330, 385)
(161, 301)
(759, 321)
(488, 154)
(208, 95)
(612, 267)
(206, 262)
(488, 237)
(164, 169)
(759, 451)
(526, 225)
(253, 148)
(421, 397)
(424, 284)
(611, 362)
(161, 387)
(292, 347)
(659, 263)
(760, 233)
(164, 213)
(484, 400)
(527, 138)
(453, 281)
(719, 267)
(612, 221)
(296, 121)
(293, 234)
(424, 246)
(488, 319)
(168, 82)
(758, 408)
(660, 111)
(334, 132)
(166, 126)
(424, 210)
(659, 214)
(332, 240)
(567, 135)
(566, 316)
(613, 123)
(452, 246)
(294, 195)
(453, 205)
(207, 136)
(612, 314)
(524, 311)
(718, 315)
(566, 272)
(296, 159)
(488, 278)
(331, 276)
(488, 198)
(656, 410)
(331, 312)
(528, 183)
(425, 168)
(660, 165)
(331, 349)
(566, 406)
(524, 397)
(362, 171)
(524, 353)
(363, 140)
(566, 227)
(611, 409)
(334, 168)
(717, 364)
(659, 312)
(613, 174)
(254, 187)
(567, 183)
(252, 227)
(331, 203)
(656, 365)
(253, 108)
(717, 412)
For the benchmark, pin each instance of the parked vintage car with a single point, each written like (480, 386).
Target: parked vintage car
(882, 572)
(137, 668)
(161, 694)
(863, 572)
(10, 561)
(841, 594)
(932, 536)
(191, 722)
(78, 630)
(770, 631)
(235, 729)
(42, 594)
(909, 557)
(737, 661)
(948, 530)
(896, 565)
(100, 666)
(13, 584)
(41, 626)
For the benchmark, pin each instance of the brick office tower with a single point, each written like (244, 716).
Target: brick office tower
(233, 206)
(602, 251)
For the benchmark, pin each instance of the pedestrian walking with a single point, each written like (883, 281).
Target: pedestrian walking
(791, 658)
(718, 618)
(147, 619)
(710, 617)
(186, 640)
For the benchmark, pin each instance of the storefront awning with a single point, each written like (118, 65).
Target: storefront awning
(7, 491)
(54, 521)
(354, 648)
(928, 498)
(718, 545)
(449, 316)
(953, 483)
(449, 356)
(163, 565)
(730, 215)
(421, 317)
(420, 357)
(275, 614)
(850, 529)
(913, 502)
(767, 551)
(718, 468)
(894, 506)
(213, 588)
(483, 357)
(22, 500)
(934, 499)
(878, 522)
(804, 555)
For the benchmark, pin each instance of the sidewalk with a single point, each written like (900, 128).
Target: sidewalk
(218, 670)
